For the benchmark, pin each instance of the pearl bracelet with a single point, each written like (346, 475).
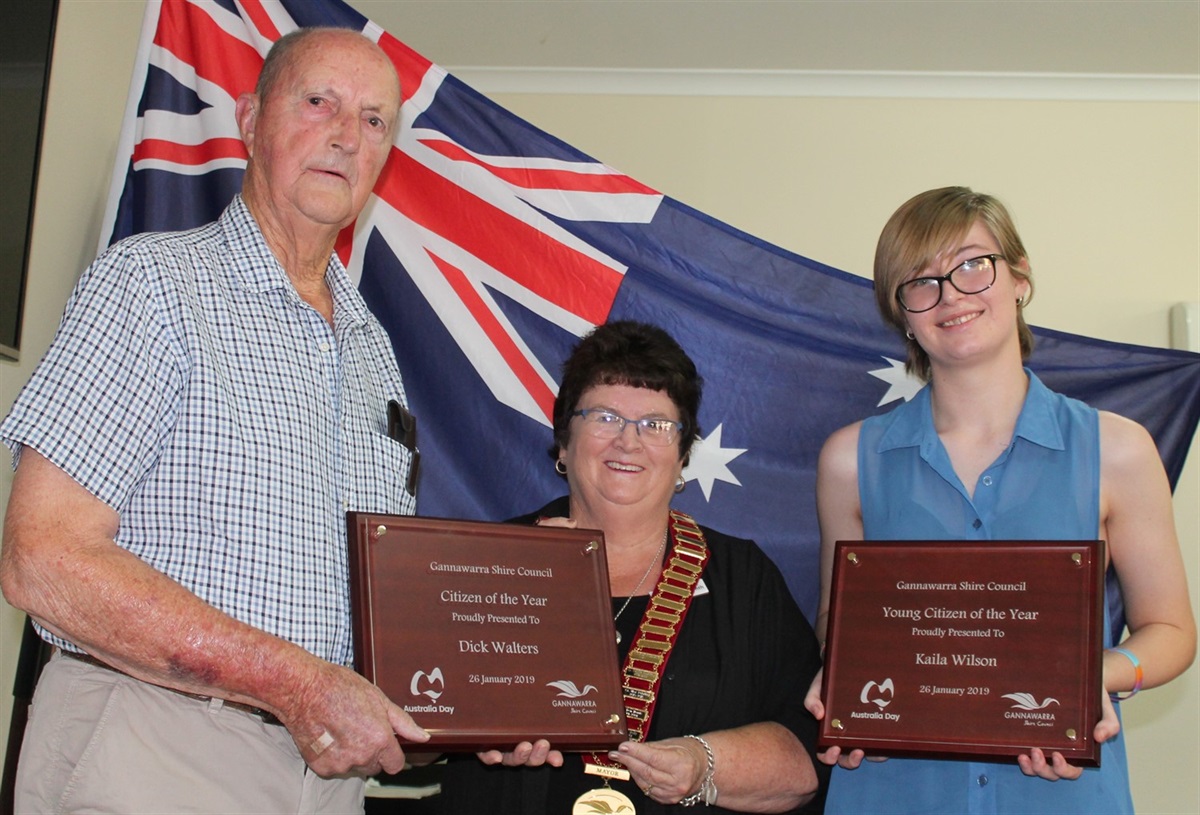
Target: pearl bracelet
(708, 790)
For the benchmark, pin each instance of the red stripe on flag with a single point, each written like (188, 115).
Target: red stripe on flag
(410, 66)
(547, 267)
(534, 179)
(262, 21)
(344, 245)
(511, 354)
(192, 36)
(189, 154)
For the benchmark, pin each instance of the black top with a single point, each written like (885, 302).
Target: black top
(745, 654)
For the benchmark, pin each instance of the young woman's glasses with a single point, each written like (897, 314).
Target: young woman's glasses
(969, 277)
(653, 430)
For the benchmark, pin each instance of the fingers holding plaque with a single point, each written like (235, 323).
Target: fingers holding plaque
(488, 634)
(965, 649)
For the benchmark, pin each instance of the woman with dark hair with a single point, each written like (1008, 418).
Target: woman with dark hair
(718, 719)
(987, 452)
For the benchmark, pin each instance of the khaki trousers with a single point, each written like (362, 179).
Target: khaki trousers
(102, 742)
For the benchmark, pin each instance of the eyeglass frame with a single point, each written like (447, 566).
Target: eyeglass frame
(947, 278)
(638, 424)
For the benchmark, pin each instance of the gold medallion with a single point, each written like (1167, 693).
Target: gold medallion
(603, 801)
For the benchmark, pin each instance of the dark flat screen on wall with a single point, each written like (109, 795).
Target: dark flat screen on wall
(26, 37)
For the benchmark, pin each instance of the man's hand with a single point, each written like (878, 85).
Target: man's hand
(343, 725)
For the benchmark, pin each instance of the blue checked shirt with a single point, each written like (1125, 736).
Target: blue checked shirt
(192, 390)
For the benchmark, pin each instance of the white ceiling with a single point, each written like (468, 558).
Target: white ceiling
(1092, 37)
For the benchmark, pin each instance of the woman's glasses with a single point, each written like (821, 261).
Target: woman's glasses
(653, 430)
(969, 277)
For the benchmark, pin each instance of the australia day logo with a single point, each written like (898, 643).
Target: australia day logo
(431, 685)
(572, 697)
(880, 695)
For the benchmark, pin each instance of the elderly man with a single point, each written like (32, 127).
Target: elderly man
(212, 404)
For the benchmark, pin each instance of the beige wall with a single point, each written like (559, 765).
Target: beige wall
(1106, 194)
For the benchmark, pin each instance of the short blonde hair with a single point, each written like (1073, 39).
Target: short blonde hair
(927, 226)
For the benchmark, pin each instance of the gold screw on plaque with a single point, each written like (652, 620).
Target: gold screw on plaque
(1071, 733)
(379, 530)
(592, 546)
(612, 719)
(1077, 558)
(852, 557)
(836, 724)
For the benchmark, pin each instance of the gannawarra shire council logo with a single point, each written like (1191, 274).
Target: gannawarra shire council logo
(572, 696)
(1029, 710)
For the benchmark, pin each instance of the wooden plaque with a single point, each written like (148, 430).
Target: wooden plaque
(488, 634)
(952, 649)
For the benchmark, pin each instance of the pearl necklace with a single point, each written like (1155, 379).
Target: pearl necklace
(657, 559)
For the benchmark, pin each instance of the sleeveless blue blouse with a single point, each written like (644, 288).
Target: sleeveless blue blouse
(1045, 485)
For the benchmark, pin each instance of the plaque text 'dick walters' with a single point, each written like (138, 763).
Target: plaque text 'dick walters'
(964, 650)
(488, 634)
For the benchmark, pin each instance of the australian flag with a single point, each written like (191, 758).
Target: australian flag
(490, 247)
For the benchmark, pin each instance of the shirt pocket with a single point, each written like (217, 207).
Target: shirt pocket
(379, 470)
